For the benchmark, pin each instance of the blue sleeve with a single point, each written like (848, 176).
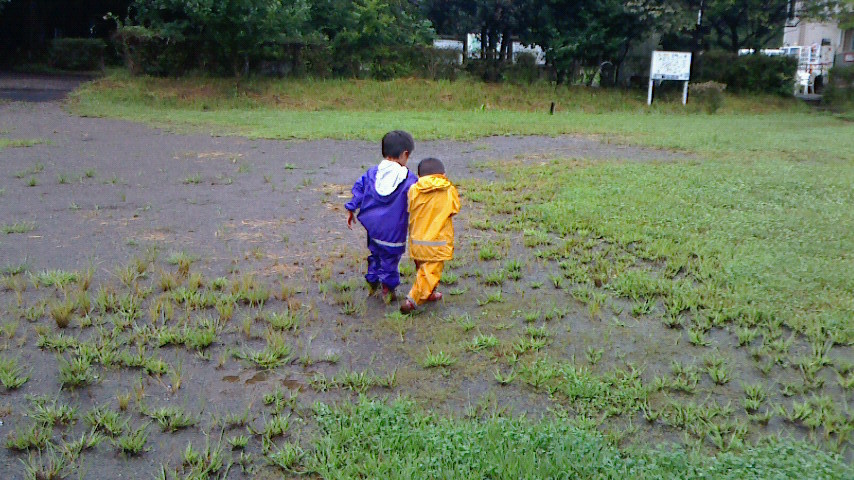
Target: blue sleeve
(358, 193)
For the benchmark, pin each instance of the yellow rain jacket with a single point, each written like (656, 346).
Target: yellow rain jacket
(432, 203)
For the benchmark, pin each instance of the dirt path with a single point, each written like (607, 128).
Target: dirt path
(103, 185)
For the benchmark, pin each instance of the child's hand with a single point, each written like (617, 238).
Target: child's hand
(350, 219)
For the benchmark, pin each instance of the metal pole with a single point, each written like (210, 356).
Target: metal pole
(649, 93)
(685, 93)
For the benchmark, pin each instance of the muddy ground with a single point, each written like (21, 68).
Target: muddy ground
(100, 194)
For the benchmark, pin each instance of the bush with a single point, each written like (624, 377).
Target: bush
(839, 93)
(146, 52)
(439, 64)
(707, 95)
(748, 73)
(77, 54)
(524, 71)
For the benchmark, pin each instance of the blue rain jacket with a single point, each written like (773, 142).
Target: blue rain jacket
(384, 217)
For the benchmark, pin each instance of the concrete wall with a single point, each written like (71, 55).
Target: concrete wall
(809, 33)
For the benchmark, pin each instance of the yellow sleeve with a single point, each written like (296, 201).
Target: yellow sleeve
(455, 201)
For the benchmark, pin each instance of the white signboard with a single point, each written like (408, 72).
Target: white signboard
(671, 66)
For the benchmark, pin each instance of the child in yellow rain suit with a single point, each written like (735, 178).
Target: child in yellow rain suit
(433, 201)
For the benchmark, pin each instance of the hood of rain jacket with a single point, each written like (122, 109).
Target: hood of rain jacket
(433, 201)
(385, 217)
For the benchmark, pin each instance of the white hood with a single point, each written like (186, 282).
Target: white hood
(389, 176)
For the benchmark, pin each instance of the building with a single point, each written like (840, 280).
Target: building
(819, 46)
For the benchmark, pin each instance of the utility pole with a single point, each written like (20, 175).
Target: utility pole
(697, 40)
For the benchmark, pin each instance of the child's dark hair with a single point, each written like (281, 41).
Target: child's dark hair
(396, 142)
(430, 166)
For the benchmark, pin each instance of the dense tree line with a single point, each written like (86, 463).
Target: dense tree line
(387, 38)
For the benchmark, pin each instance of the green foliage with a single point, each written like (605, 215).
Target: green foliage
(371, 440)
(749, 73)
(220, 36)
(587, 33)
(77, 53)
(380, 38)
(11, 374)
(839, 92)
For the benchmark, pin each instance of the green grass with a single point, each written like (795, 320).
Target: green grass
(464, 110)
(375, 440)
(20, 142)
(756, 237)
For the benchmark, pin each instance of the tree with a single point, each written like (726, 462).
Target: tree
(588, 33)
(217, 34)
(746, 23)
(380, 37)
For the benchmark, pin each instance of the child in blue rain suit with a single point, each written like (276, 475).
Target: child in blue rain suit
(380, 197)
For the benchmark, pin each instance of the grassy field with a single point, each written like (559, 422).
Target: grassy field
(448, 110)
(677, 319)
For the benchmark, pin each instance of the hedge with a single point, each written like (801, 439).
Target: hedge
(81, 54)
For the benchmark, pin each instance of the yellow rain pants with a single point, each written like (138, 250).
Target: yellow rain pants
(426, 279)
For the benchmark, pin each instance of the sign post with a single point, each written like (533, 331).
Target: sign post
(670, 66)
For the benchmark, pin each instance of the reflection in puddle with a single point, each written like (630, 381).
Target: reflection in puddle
(258, 377)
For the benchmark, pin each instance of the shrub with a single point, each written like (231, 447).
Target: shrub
(839, 93)
(523, 71)
(439, 64)
(748, 73)
(707, 95)
(77, 53)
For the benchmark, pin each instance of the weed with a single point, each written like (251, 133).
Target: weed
(104, 419)
(61, 311)
(449, 278)
(698, 337)
(488, 252)
(594, 355)
(49, 412)
(538, 332)
(238, 442)
(504, 379)
(76, 372)
(440, 359)
(532, 316)
(275, 354)
(285, 320)
(34, 436)
(194, 179)
(170, 418)
(286, 456)
(11, 375)
(182, 260)
(719, 374)
(495, 278)
(482, 342)
(643, 307)
(133, 442)
(87, 441)
(47, 464)
(54, 278)
(491, 297)
(123, 400)
(745, 335)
